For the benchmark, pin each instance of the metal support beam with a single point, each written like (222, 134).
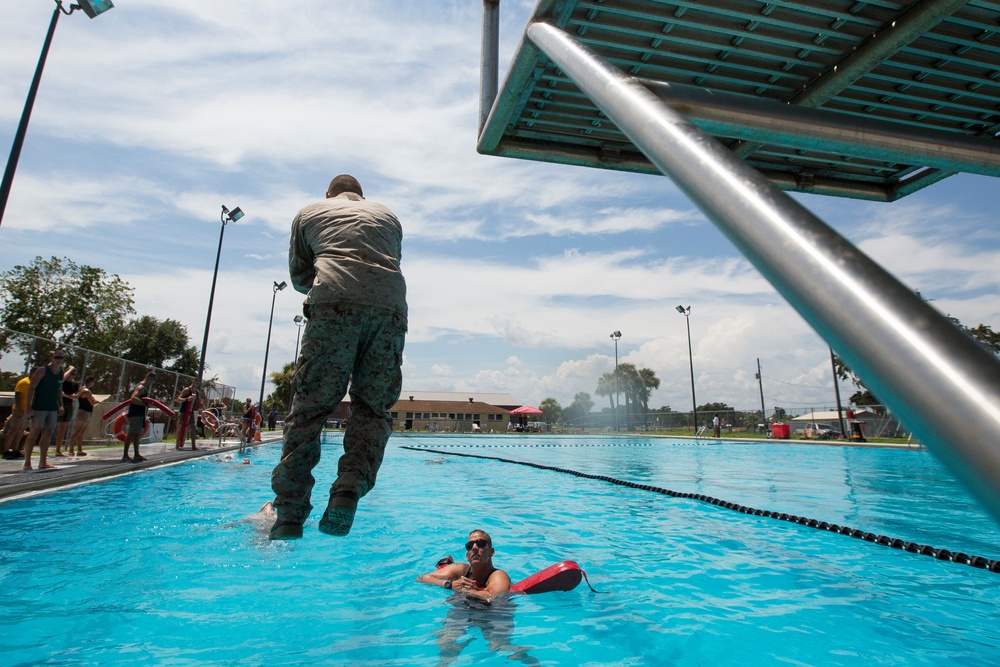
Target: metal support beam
(884, 44)
(769, 122)
(489, 63)
(936, 379)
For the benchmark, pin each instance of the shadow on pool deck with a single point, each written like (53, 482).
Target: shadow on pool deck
(102, 462)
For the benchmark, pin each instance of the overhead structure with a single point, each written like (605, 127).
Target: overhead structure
(736, 101)
(871, 100)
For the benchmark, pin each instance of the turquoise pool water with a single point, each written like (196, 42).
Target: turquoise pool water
(150, 569)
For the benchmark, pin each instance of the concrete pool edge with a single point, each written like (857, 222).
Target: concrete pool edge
(14, 484)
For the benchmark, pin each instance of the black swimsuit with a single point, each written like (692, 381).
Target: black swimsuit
(468, 575)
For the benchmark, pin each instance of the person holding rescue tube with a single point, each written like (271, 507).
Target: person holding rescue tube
(188, 400)
(478, 578)
(344, 253)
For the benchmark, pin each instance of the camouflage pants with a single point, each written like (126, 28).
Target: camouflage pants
(342, 343)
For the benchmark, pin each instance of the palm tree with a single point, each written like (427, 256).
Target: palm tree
(606, 386)
(648, 382)
(628, 381)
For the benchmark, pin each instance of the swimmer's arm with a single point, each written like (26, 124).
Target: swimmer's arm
(443, 574)
(498, 584)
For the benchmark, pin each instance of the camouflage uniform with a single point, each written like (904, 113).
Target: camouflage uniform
(340, 343)
(344, 253)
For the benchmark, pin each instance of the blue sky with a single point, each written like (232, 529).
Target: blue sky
(153, 115)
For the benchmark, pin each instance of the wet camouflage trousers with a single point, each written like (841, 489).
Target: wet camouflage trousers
(342, 343)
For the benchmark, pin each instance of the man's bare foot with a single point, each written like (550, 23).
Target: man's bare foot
(46, 466)
(27, 466)
(136, 459)
(58, 453)
(126, 459)
(194, 449)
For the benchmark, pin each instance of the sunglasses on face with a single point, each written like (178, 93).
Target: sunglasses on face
(481, 543)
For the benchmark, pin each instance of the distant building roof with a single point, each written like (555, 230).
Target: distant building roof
(482, 397)
(452, 406)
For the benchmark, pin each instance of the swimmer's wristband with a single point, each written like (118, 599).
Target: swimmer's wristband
(447, 584)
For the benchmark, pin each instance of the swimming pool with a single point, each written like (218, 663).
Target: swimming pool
(150, 569)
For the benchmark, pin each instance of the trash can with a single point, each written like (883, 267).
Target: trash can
(781, 431)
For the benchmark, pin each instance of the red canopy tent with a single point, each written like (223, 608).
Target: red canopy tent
(522, 413)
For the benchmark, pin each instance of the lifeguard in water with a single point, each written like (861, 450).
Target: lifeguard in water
(478, 578)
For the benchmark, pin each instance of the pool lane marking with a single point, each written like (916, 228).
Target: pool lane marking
(979, 562)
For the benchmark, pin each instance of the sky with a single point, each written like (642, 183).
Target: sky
(152, 116)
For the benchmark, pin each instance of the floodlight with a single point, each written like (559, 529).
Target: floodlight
(233, 215)
(93, 7)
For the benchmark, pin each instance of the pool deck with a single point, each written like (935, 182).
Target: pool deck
(105, 461)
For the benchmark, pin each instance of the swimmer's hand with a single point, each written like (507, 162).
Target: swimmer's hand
(463, 585)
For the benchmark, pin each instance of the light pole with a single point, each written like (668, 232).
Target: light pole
(299, 321)
(836, 391)
(760, 385)
(91, 8)
(616, 336)
(686, 312)
(267, 348)
(227, 217)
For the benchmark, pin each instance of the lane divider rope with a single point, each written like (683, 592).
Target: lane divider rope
(911, 547)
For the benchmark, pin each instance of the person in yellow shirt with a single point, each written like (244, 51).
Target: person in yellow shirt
(13, 428)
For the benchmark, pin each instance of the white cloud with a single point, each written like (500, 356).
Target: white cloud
(517, 271)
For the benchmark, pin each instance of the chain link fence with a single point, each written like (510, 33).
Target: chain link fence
(114, 378)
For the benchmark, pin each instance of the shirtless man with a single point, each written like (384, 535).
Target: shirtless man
(479, 578)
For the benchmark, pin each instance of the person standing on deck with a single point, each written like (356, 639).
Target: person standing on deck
(70, 387)
(137, 417)
(188, 400)
(344, 253)
(44, 408)
(84, 411)
(13, 428)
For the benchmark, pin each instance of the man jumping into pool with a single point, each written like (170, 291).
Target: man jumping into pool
(344, 254)
(479, 578)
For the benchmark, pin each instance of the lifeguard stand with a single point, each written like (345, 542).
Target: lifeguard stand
(739, 101)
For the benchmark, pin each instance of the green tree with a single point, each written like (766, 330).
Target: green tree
(628, 382)
(77, 305)
(278, 399)
(163, 344)
(551, 411)
(715, 407)
(647, 383)
(576, 412)
(607, 386)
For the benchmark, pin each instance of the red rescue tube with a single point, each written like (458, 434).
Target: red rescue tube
(564, 576)
(156, 404)
(118, 428)
(148, 401)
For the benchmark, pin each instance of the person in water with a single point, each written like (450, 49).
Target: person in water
(481, 583)
(478, 578)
